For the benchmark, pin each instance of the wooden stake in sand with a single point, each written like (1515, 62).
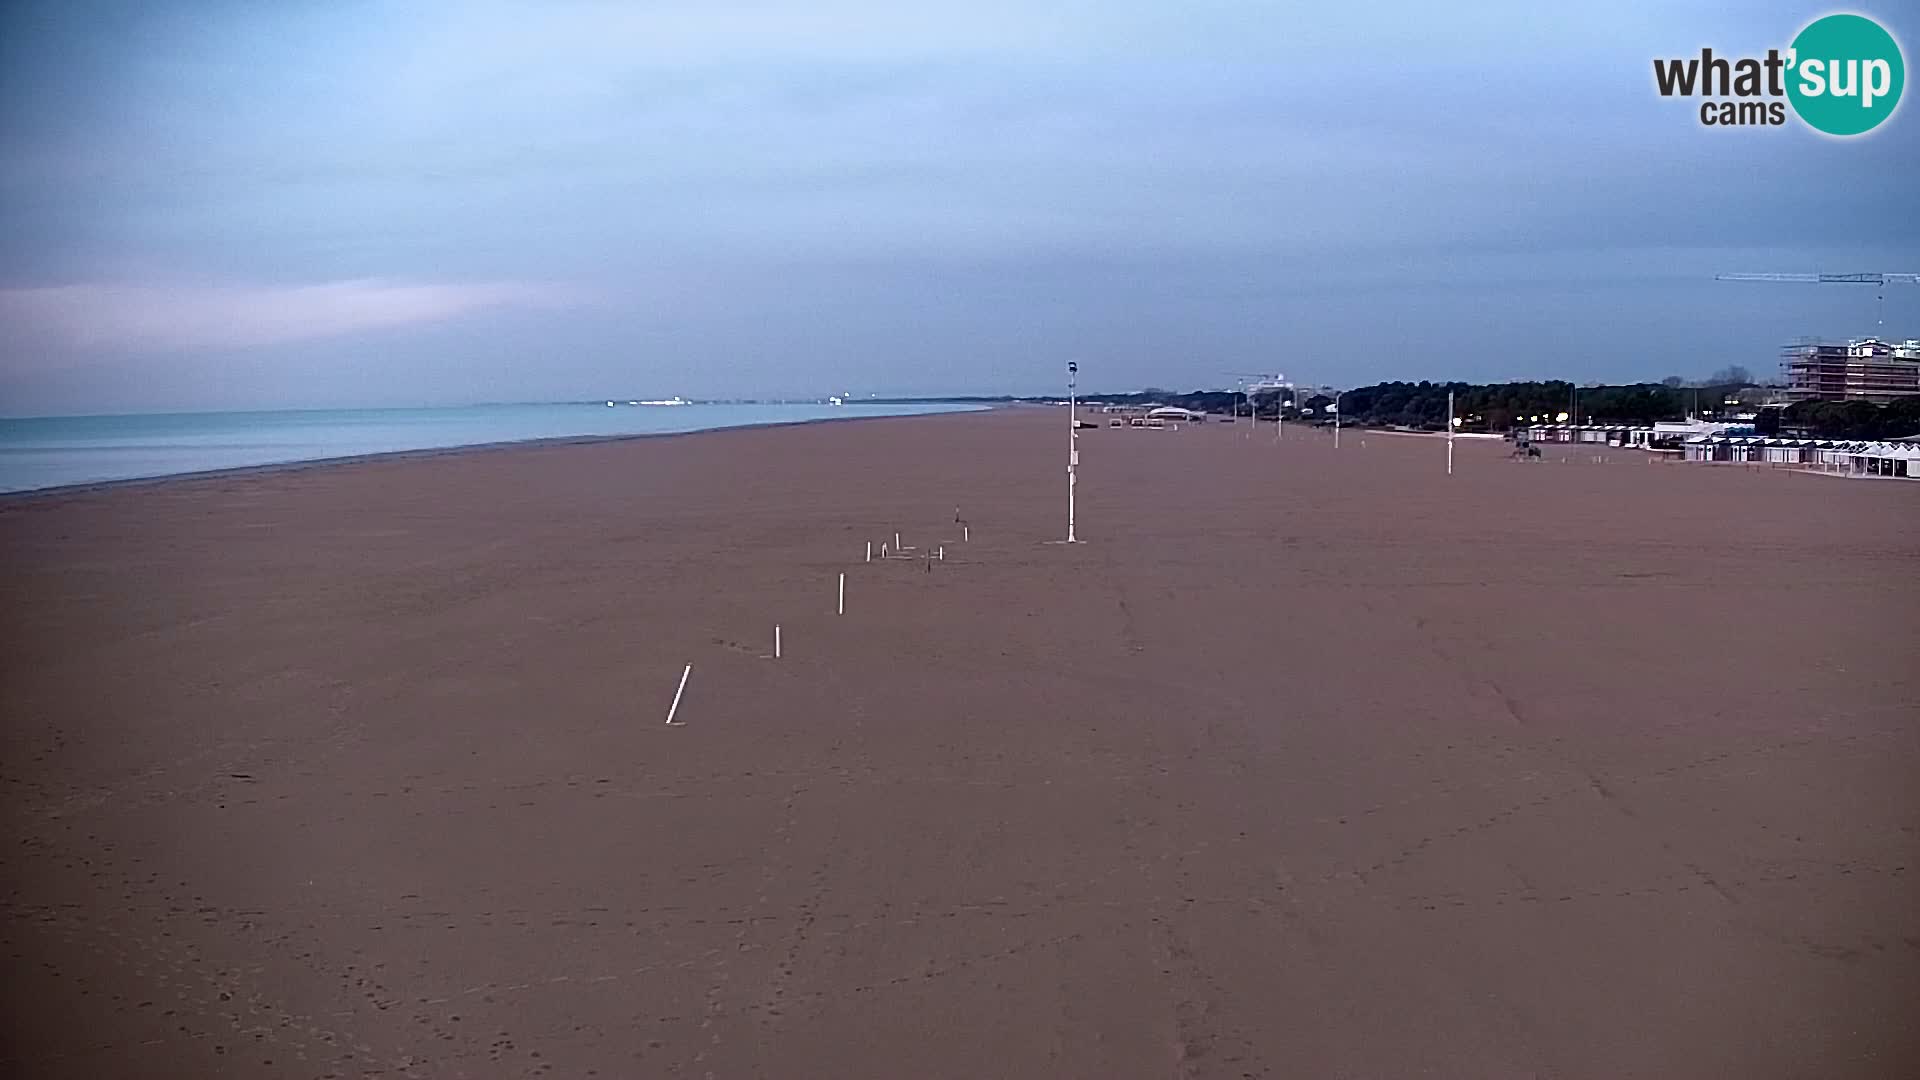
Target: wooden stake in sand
(869, 551)
(966, 533)
(841, 609)
(943, 553)
(675, 707)
(776, 641)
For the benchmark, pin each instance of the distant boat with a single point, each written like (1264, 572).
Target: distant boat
(835, 401)
(609, 404)
(674, 400)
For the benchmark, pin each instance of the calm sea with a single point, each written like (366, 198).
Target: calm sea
(46, 452)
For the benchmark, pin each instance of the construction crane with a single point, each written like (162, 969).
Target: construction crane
(1251, 384)
(1881, 281)
(1267, 382)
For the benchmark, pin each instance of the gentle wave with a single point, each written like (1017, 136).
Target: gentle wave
(48, 452)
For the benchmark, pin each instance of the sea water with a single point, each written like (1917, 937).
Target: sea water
(57, 451)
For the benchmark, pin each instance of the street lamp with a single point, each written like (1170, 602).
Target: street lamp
(1453, 425)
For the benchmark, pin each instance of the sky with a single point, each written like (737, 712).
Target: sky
(220, 205)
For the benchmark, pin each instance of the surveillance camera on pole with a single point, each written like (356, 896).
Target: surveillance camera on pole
(1073, 445)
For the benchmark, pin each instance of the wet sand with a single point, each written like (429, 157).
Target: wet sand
(1307, 763)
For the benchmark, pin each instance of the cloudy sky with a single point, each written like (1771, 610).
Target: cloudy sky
(220, 205)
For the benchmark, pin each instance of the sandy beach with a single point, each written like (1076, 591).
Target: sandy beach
(1307, 763)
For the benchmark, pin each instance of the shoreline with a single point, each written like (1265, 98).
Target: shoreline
(302, 464)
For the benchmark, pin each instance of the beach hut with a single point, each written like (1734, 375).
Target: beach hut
(1884, 459)
(1862, 459)
(1909, 459)
(1781, 451)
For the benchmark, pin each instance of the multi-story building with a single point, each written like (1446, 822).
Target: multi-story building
(1865, 370)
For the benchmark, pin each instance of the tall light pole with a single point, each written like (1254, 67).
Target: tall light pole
(1453, 425)
(1073, 445)
(1336, 418)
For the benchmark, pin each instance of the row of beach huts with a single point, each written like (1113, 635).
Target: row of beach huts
(1899, 458)
(1707, 442)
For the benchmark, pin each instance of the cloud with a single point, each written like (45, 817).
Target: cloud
(774, 197)
(239, 316)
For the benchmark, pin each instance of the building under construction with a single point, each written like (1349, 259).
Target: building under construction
(1864, 370)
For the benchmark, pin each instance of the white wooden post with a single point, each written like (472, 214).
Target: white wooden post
(675, 707)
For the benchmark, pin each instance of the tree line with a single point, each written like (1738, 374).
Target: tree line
(1499, 407)
(1844, 419)
(1502, 406)
(1423, 405)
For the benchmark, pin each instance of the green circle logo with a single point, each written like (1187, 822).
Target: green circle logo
(1846, 74)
